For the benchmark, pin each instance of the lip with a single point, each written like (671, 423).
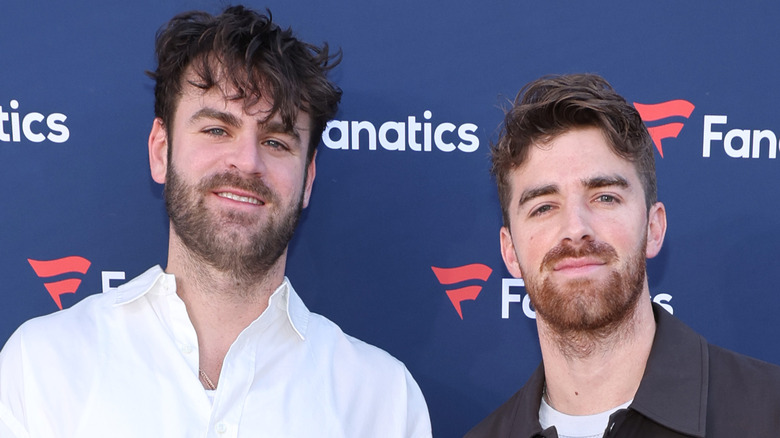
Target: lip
(239, 196)
(578, 265)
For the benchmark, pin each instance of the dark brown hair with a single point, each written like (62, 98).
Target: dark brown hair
(245, 51)
(553, 105)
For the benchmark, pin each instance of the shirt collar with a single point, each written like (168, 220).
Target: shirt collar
(674, 389)
(287, 300)
(284, 298)
(141, 285)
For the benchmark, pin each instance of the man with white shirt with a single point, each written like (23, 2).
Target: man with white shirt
(576, 181)
(218, 344)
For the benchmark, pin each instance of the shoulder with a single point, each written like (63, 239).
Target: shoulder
(732, 373)
(64, 325)
(44, 351)
(365, 378)
(75, 329)
(324, 333)
(742, 395)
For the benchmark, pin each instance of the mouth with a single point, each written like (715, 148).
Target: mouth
(246, 199)
(582, 264)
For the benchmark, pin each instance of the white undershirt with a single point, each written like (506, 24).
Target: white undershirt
(211, 393)
(576, 426)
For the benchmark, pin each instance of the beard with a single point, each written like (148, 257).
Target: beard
(231, 242)
(586, 309)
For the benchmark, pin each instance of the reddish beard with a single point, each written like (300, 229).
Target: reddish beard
(587, 306)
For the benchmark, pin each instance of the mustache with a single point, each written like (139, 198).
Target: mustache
(600, 250)
(255, 186)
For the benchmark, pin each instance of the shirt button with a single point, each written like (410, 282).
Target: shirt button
(186, 348)
(221, 427)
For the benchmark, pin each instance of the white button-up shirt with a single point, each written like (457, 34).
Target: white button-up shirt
(125, 364)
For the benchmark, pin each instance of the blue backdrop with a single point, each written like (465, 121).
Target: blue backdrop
(76, 108)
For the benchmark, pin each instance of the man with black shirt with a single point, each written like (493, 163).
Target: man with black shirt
(576, 180)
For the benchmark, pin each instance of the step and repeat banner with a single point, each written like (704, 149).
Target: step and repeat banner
(399, 245)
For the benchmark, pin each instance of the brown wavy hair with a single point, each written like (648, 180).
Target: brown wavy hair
(245, 51)
(553, 105)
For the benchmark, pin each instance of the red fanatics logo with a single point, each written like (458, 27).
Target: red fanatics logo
(461, 274)
(660, 111)
(53, 268)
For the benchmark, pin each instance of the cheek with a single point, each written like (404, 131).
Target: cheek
(287, 181)
(627, 239)
(536, 241)
(529, 250)
(188, 162)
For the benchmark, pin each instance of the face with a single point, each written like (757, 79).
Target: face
(235, 182)
(580, 232)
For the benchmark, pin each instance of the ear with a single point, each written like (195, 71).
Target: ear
(656, 229)
(509, 254)
(158, 151)
(311, 172)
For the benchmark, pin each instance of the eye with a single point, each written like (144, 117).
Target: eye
(607, 199)
(541, 210)
(276, 144)
(216, 132)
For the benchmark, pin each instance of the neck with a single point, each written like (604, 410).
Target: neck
(219, 305)
(591, 373)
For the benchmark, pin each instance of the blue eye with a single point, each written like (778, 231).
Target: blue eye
(541, 210)
(217, 132)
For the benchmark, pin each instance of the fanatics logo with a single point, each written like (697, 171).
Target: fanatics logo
(53, 268)
(406, 134)
(660, 111)
(461, 274)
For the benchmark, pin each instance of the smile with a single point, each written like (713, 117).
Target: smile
(238, 198)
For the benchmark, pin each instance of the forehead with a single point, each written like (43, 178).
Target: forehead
(224, 97)
(222, 93)
(570, 158)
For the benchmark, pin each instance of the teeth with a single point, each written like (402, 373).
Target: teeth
(239, 198)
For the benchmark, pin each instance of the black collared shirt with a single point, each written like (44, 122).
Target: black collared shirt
(690, 389)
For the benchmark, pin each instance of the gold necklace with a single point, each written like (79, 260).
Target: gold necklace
(206, 381)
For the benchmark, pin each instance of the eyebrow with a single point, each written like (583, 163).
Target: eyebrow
(211, 113)
(529, 194)
(279, 128)
(596, 182)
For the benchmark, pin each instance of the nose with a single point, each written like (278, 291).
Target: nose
(576, 226)
(246, 156)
